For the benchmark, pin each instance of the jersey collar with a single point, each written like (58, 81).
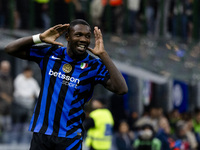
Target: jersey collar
(71, 60)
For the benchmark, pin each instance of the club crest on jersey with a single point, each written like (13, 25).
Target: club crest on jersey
(67, 68)
(84, 65)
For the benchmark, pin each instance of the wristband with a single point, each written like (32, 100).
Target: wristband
(36, 39)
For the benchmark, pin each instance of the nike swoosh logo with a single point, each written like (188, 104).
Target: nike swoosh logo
(53, 57)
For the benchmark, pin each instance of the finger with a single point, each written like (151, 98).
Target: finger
(96, 30)
(100, 34)
(56, 26)
(65, 27)
(62, 29)
(57, 43)
(95, 33)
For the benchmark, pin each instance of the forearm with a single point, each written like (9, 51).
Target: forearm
(117, 82)
(19, 47)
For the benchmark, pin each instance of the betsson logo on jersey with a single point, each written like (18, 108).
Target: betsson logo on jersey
(67, 80)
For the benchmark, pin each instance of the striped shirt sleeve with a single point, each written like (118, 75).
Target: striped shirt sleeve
(37, 52)
(102, 74)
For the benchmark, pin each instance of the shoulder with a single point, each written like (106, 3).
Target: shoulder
(94, 113)
(47, 48)
(136, 142)
(41, 46)
(33, 80)
(100, 112)
(19, 77)
(58, 49)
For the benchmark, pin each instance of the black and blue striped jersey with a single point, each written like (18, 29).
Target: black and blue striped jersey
(66, 86)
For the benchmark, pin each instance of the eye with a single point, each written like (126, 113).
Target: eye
(87, 36)
(78, 35)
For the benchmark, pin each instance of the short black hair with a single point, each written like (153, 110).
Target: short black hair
(77, 21)
(27, 68)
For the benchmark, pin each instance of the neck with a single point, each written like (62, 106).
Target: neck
(76, 57)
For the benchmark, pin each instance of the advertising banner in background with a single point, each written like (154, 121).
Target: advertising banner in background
(180, 96)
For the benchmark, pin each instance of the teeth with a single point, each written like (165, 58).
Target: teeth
(81, 46)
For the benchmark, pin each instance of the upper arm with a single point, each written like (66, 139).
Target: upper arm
(23, 53)
(18, 48)
(109, 86)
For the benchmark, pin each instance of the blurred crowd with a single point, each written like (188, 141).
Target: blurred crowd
(17, 99)
(155, 129)
(171, 18)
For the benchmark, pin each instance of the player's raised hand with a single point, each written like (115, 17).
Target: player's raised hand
(99, 45)
(50, 35)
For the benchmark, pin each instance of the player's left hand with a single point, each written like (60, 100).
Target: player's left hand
(99, 46)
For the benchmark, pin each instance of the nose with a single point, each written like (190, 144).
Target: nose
(84, 39)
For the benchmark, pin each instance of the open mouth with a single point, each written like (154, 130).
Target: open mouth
(81, 47)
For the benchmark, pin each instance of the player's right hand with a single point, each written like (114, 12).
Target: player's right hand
(50, 35)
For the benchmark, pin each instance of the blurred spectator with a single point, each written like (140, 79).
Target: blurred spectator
(133, 8)
(162, 18)
(196, 121)
(124, 137)
(99, 126)
(174, 117)
(42, 20)
(26, 89)
(117, 11)
(23, 12)
(155, 114)
(144, 119)
(152, 117)
(163, 134)
(6, 96)
(146, 139)
(132, 119)
(190, 134)
(96, 12)
(151, 7)
(170, 142)
(180, 136)
(196, 125)
(189, 14)
(81, 8)
(116, 19)
(179, 19)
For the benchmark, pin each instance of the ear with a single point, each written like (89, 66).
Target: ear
(67, 36)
